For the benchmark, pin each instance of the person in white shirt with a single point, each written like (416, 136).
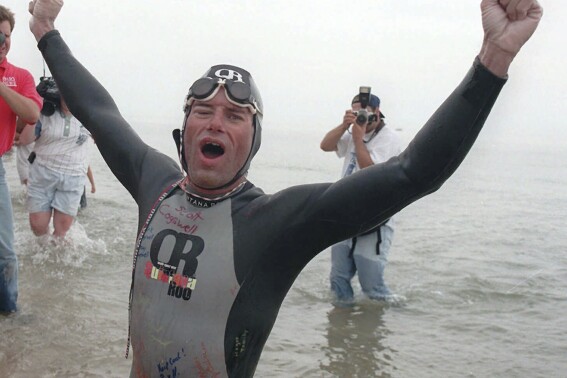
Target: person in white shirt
(362, 142)
(58, 172)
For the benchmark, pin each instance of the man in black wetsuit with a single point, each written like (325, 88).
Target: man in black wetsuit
(215, 256)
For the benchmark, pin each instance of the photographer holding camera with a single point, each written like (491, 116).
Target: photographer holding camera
(363, 140)
(59, 163)
(18, 99)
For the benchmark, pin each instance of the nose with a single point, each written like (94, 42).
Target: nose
(216, 123)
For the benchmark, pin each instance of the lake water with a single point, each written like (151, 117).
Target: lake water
(480, 268)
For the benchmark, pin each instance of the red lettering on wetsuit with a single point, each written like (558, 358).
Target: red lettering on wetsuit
(180, 286)
(194, 216)
(177, 221)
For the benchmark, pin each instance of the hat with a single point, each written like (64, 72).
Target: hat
(222, 75)
(373, 103)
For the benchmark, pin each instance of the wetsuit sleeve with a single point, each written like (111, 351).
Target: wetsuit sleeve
(368, 197)
(125, 153)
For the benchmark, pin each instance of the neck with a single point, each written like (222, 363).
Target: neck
(211, 194)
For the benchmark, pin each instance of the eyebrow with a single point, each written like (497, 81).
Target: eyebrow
(201, 104)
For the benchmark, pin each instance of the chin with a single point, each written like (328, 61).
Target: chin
(206, 182)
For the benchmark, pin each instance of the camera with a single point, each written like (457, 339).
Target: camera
(47, 88)
(362, 115)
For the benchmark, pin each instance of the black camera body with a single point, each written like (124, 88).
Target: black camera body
(364, 96)
(47, 88)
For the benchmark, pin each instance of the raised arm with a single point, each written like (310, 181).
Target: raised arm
(85, 96)
(133, 162)
(442, 144)
(331, 139)
(123, 150)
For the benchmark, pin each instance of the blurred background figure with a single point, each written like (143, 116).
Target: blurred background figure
(59, 164)
(363, 140)
(18, 99)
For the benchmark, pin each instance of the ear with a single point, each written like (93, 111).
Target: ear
(176, 133)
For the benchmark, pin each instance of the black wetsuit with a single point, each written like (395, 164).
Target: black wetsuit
(209, 280)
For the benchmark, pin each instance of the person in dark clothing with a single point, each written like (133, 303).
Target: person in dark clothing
(215, 255)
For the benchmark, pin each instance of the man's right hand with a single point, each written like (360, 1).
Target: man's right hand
(348, 119)
(44, 13)
(330, 140)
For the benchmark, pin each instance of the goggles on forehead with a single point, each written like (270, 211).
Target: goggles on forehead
(236, 92)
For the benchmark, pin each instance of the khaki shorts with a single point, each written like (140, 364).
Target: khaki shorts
(48, 189)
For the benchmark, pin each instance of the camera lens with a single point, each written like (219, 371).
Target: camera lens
(361, 117)
(48, 108)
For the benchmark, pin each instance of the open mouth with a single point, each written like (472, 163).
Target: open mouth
(212, 150)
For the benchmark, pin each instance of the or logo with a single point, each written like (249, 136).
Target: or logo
(229, 74)
(181, 283)
(177, 254)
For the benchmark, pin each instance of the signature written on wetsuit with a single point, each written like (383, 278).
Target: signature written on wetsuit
(148, 235)
(167, 369)
(180, 217)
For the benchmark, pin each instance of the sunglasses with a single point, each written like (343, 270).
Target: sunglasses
(2, 38)
(236, 92)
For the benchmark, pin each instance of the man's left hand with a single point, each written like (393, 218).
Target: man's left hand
(507, 24)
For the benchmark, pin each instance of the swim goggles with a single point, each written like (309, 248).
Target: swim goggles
(236, 92)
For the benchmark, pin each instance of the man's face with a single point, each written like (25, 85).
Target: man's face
(5, 47)
(217, 141)
(369, 126)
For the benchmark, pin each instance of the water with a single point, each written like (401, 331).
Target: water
(479, 267)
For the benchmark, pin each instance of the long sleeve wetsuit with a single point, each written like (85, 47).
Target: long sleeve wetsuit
(209, 278)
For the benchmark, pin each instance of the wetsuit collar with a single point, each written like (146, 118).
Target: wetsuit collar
(199, 201)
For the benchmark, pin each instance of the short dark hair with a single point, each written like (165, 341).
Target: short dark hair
(7, 15)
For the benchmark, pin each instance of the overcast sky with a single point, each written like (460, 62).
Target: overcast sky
(308, 57)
